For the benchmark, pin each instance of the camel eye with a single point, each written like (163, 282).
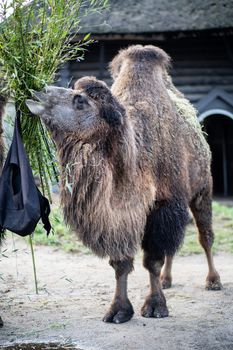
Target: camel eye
(79, 101)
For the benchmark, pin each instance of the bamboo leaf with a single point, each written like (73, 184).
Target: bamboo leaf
(35, 40)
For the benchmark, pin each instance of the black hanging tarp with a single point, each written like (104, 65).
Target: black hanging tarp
(21, 203)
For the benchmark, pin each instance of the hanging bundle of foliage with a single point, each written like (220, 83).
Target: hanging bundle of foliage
(36, 38)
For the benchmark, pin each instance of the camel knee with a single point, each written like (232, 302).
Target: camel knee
(206, 238)
(122, 267)
(153, 263)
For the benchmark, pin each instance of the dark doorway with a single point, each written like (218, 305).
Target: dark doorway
(220, 138)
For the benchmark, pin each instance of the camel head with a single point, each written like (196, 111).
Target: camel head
(86, 110)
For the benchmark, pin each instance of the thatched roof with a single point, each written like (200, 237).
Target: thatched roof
(156, 16)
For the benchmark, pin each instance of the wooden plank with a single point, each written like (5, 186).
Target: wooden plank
(202, 71)
(85, 65)
(194, 97)
(204, 88)
(197, 80)
(198, 63)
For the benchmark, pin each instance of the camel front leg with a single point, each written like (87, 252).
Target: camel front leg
(121, 309)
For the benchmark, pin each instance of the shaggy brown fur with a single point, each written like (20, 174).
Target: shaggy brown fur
(101, 167)
(176, 151)
(129, 168)
(142, 84)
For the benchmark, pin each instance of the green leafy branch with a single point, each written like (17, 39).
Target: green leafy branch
(36, 39)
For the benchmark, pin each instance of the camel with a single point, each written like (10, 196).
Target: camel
(130, 170)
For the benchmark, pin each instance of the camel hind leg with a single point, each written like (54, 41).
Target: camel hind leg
(201, 208)
(166, 273)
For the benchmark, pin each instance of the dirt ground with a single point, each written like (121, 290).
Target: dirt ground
(76, 290)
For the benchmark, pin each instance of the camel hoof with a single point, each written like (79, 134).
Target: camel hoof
(213, 285)
(119, 313)
(152, 309)
(166, 283)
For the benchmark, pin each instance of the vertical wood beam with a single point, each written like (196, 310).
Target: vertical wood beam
(101, 60)
(224, 159)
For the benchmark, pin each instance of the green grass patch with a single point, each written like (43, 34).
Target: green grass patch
(61, 235)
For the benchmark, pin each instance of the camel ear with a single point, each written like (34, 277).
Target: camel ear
(111, 115)
(35, 107)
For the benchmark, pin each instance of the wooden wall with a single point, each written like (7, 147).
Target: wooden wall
(200, 62)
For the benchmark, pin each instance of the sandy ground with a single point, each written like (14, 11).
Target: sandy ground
(76, 290)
